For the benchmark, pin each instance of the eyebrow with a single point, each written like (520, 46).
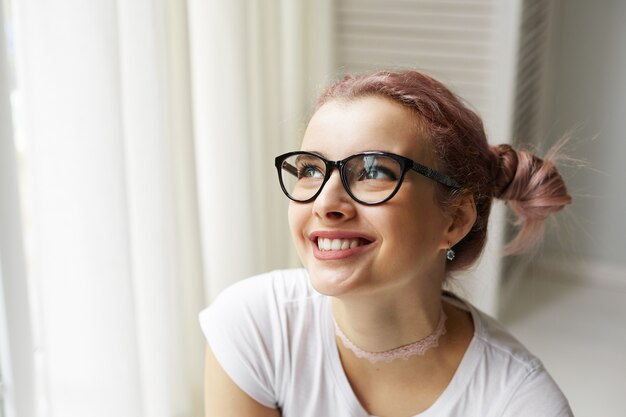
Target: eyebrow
(323, 155)
(315, 153)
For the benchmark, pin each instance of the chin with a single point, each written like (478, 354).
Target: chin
(333, 282)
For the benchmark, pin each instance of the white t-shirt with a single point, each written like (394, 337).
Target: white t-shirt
(273, 334)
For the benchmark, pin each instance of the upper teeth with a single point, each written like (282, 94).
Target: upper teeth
(337, 244)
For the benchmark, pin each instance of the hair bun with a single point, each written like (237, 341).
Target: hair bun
(505, 169)
(532, 186)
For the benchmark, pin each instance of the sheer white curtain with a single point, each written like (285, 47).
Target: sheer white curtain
(256, 66)
(113, 222)
(16, 364)
(151, 127)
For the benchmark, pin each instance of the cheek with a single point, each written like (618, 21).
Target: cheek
(296, 218)
(297, 215)
(419, 223)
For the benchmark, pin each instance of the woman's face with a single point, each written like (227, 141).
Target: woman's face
(400, 242)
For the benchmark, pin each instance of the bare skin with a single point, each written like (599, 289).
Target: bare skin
(223, 398)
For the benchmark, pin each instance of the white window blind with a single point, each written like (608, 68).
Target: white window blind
(533, 66)
(454, 41)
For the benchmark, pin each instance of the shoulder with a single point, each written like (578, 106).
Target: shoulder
(258, 297)
(493, 340)
(501, 345)
(504, 369)
(284, 283)
(248, 327)
(531, 389)
(281, 285)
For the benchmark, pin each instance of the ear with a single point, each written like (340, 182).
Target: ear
(462, 215)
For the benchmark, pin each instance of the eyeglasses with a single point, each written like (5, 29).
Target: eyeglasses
(369, 177)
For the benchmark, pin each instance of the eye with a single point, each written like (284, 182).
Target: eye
(375, 168)
(310, 171)
(377, 173)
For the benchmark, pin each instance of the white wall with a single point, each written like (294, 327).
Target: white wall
(589, 92)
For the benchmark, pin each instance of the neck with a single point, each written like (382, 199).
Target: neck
(402, 352)
(387, 320)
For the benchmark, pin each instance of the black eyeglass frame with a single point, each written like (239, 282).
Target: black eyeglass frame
(405, 165)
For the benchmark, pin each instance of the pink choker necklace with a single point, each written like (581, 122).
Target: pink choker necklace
(403, 352)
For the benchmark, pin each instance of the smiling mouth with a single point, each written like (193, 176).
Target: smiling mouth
(326, 244)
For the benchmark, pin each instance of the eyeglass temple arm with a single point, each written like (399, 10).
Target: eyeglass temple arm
(434, 175)
(290, 168)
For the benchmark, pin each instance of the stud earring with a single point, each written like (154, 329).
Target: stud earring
(450, 254)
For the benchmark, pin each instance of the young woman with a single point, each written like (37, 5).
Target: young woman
(391, 191)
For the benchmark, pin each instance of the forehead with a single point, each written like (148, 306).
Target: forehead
(340, 128)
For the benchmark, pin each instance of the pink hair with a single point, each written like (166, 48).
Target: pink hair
(532, 186)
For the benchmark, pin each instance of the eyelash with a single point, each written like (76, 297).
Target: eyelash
(306, 167)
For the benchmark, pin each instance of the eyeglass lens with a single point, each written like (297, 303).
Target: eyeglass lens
(369, 178)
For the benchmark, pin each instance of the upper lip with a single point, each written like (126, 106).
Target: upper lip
(339, 234)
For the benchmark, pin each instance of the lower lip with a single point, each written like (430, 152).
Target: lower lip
(329, 255)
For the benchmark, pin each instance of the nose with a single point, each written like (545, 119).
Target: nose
(334, 203)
